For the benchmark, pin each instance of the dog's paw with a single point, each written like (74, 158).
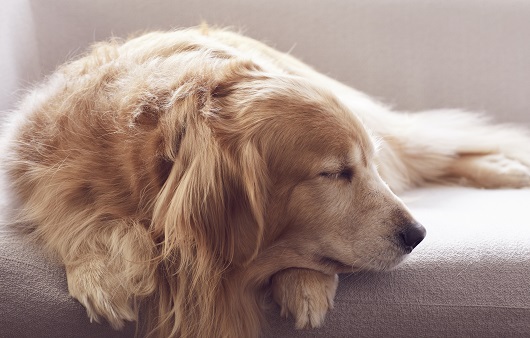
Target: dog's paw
(493, 171)
(305, 294)
(101, 294)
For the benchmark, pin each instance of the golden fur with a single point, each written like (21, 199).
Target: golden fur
(191, 171)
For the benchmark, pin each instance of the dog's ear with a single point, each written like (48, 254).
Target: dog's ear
(212, 203)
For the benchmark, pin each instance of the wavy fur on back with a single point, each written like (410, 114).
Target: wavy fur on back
(187, 172)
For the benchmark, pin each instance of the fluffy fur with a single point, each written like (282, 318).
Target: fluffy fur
(191, 171)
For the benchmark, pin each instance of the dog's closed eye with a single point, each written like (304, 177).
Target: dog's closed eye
(343, 174)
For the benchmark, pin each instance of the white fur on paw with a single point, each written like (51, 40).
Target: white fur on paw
(101, 304)
(497, 170)
(307, 295)
(103, 297)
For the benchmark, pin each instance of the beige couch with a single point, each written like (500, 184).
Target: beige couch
(469, 278)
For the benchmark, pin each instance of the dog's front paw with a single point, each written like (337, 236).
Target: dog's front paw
(306, 294)
(101, 294)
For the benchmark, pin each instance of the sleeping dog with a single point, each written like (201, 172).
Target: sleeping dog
(193, 171)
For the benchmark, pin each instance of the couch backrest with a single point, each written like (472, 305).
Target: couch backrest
(412, 54)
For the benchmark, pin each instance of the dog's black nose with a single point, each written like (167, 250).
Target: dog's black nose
(413, 234)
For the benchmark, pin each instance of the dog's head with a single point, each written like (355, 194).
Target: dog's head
(271, 169)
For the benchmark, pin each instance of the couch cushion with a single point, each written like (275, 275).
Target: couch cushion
(469, 277)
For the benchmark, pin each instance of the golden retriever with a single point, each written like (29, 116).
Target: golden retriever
(191, 172)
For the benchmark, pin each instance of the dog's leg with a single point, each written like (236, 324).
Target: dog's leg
(111, 270)
(305, 294)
